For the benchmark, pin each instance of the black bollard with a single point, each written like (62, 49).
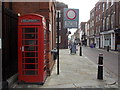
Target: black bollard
(100, 67)
(80, 51)
(108, 48)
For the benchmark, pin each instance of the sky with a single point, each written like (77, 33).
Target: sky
(84, 6)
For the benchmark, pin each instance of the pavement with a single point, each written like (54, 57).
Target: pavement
(75, 72)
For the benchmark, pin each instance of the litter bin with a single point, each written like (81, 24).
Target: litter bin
(54, 52)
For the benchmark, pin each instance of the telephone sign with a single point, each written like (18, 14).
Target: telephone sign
(71, 18)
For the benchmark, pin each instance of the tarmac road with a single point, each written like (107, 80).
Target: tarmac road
(110, 59)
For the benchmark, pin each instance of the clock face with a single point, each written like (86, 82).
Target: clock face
(71, 14)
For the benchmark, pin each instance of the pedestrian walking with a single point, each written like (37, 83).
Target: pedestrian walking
(73, 48)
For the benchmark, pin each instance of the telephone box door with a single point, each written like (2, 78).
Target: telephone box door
(30, 65)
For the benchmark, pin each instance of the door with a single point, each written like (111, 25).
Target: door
(28, 53)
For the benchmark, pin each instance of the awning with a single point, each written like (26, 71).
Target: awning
(107, 32)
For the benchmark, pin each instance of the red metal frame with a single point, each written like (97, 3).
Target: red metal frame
(32, 49)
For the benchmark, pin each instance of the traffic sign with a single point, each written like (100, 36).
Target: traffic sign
(71, 18)
(71, 14)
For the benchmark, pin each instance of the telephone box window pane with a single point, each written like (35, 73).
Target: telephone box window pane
(31, 54)
(30, 30)
(31, 66)
(30, 36)
(23, 54)
(30, 42)
(31, 48)
(30, 60)
(31, 72)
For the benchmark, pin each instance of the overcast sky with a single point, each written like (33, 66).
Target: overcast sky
(84, 6)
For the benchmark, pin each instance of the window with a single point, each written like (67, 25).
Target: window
(99, 29)
(96, 18)
(59, 13)
(59, 25)
(112, 20)
(103, 7)
(107, 23)
(107, 4)
(93, 23)
(59, 39)
(112, 2)
(103, 24)
(99, 17)
(99, 6)
(96, 30)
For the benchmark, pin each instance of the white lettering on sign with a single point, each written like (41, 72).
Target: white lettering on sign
(71, 23)
(30, 20)
(71, 18)
(0, 43)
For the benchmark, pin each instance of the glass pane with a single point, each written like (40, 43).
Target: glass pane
(29, 42)
(23, 54)
(31, 72)
(29, 30)
(31, 66)
(31, 48)
(31, 54)
(30, 60)
(29, 36)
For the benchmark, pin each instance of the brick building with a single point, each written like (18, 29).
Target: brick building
(98, 23)
(10, 11)
(82, 29)
(109, 25)
(88, 32)
(77, 36)
(63, 32)
(105, 25)
(92, 26)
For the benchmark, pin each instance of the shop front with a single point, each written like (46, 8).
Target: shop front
(97, 42)
(108, 39)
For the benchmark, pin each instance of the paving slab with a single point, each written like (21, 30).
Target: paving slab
(75, 72)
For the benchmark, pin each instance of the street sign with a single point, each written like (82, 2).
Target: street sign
(71, 18)
(71, 14)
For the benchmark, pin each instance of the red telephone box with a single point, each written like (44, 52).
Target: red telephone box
(32, 49)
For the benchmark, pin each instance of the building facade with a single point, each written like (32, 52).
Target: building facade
(109, 25)
(92, 26)
(98, 23)
(82, 29)
(88, 32)
(77, 35)
(63, 33)
(11, 11)
(104, 28)
(48, 10)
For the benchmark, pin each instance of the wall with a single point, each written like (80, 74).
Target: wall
(62, 32)
(0, 45)
(46, 9)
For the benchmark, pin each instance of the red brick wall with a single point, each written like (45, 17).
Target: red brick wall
(46, 9)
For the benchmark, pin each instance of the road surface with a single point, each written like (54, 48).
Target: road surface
(110, 58)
